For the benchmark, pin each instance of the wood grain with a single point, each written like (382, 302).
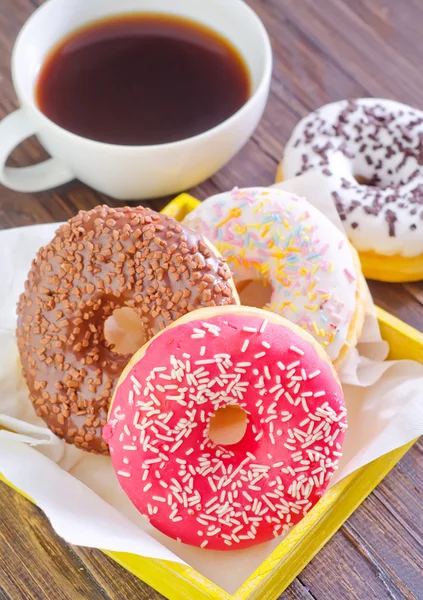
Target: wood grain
(35, 562)
(324, 51)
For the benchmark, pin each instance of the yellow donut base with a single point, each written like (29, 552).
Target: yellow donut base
(391, 269)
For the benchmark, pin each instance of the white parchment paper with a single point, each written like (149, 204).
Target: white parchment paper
(79, 492)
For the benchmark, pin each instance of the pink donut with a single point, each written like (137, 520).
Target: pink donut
(215, 495)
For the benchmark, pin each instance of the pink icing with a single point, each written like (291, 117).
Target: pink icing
(240, 495)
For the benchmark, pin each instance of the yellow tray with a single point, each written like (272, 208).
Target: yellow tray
(179, 582)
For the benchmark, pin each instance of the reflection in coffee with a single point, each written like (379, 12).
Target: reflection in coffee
(142, 79)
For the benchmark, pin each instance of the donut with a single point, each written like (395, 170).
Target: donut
(276, 237)
(370, 153)
(226, 493)
(100, 261)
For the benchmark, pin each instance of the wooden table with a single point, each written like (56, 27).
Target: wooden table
(324, 51)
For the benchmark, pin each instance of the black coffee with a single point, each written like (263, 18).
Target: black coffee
(142, 79)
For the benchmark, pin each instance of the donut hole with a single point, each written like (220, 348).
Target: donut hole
(124, 331)
(228, 425)
(256, 293)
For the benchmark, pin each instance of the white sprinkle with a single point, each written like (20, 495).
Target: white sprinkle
(244, 364)
(129, 447)
(212, 484)
(202, 350)
(154, 399)
(279, 394)
(314, 374)
(214, 531)
(124, 473)
(159, 499)
(275, 388)
(272, 407)
(245, 345)
(293, 365)
(126, 429)
(266, 345)
(205, 361)
(267, 372)
(197, 336)
(260, 355)
(210, 502)
(281, 366)
(204, 544)
(256, 488)
(289, 397)
(167, 377)
(135, 381)
(264, 325)
(151, 461)
(249, 329)
(214, 329)
(237, 370)
(268, 502)
(319, 394)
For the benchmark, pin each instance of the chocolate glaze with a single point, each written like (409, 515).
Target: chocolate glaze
(100, 261)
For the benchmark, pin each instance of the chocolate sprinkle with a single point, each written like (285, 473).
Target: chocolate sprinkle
(388, 143)
(100, 261)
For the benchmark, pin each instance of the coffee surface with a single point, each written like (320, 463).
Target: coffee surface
(142, 80)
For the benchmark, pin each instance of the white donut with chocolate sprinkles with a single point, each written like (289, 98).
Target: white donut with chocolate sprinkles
(98, 262)
(370, 152)
(194, 480)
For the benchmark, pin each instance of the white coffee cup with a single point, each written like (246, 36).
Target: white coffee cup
(129, 172)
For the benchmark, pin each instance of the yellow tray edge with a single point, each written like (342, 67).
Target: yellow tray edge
(179, 582)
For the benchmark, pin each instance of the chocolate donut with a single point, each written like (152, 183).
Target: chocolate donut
(100, 261)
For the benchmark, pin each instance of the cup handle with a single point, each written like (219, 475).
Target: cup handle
(14, 129)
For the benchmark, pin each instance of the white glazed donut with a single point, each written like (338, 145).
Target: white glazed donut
(371, 152)
(271, 235)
